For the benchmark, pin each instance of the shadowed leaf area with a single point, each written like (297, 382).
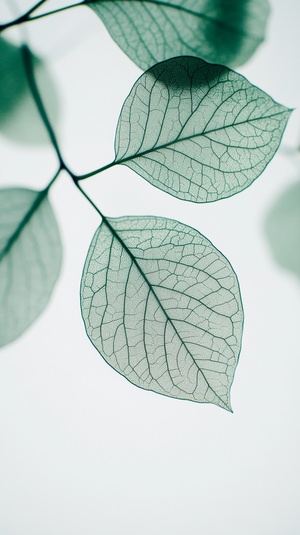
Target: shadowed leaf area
(219, 31)
(162, 305)
(198, 131)
(282, 228)
(19, 119)
(30, 259)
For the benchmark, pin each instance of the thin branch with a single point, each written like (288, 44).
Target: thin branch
(26, 17)
(55, 11)
(28, 64)
(46, 189)
(34, 8)
(92, 173)
(88, 199)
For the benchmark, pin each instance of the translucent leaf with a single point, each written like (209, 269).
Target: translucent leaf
(198, 131)
(30, 259)
(219, 31)
(282, 228)
(19, 119)
(13, 81)
(162, 306)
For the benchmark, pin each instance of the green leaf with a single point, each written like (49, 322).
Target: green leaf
(219, 31)
(13, 81)
(198, 131)
(19, 119)
(282, 229)
(30, 258)
(162, 306)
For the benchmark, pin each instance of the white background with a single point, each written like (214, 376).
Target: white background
(84, 452)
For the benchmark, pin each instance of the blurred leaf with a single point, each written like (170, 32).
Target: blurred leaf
(198, 131)
(19, 119)
(162, 306)
(282, 227)
(30, 259)
(219, 31)
(13, 82)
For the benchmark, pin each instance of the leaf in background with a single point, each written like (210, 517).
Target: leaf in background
(198, 131)
(19, 119)
(30, 259)
(282, 229)
(13, 82)
(162, 306)
(219, 31)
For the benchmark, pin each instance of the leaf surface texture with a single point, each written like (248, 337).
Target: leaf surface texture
(198, 131)
(30, 258)
(219, 31)
(162, 306)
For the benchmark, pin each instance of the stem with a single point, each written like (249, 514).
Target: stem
(28, 64)
(26, 17)
(34, 8)
(46, 189)
(59, 10)
(22, 18)
(92, 173)
(88, 199)
(42, 111)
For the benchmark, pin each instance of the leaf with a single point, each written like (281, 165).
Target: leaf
(282, 229)
(162, 306)
(30, 259)
(198, 131)
(219, 31)
(19, 118)
(13, 82)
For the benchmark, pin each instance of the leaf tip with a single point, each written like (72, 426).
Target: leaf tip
(227, 406)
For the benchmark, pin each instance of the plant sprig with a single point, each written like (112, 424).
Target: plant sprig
(160, 303)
